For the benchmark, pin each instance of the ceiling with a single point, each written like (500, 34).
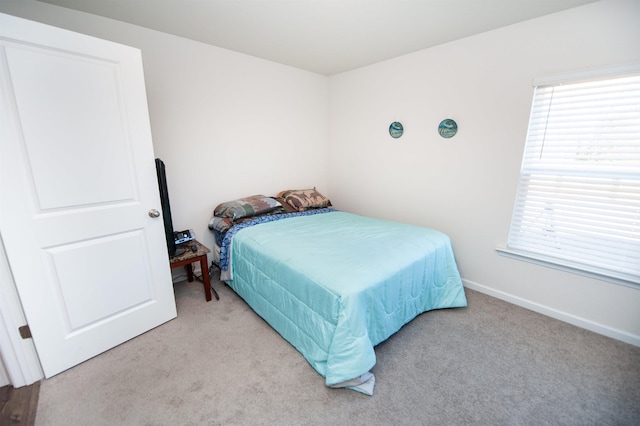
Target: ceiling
(323, 36)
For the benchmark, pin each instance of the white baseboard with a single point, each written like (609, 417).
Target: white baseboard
(554, 313)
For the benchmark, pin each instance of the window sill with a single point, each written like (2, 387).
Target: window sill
(568, 267)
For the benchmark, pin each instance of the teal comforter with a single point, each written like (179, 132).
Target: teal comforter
(336, 284)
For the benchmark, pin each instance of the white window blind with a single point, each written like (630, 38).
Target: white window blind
(578, 198)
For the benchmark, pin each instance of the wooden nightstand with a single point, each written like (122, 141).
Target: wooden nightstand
(189, 257)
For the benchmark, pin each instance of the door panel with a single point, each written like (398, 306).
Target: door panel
(54, 127)
(87, 302)
(77, 180)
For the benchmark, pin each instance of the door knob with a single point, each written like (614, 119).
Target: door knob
(154, 213)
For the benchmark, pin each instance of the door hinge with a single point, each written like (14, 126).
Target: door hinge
(25, 331)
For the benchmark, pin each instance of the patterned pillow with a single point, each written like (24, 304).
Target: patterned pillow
(220, 224)
(304, 199)
(246, 207)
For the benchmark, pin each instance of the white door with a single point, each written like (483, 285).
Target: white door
(77, 183)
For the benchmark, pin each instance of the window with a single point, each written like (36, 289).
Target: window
(578, 199)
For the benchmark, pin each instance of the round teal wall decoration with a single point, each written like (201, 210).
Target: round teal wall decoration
(448, 128)
(396, 130)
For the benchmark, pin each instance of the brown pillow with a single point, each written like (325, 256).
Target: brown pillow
(304, 199)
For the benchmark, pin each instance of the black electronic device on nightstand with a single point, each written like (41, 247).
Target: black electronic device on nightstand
(181, 237)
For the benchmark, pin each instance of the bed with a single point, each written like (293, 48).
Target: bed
(335, 284)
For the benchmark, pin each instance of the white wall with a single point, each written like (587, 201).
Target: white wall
(466, 185)
(227, 125)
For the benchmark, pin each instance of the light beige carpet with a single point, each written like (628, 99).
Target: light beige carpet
(218, 363)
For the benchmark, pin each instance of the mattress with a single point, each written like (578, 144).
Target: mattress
(336, 284)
